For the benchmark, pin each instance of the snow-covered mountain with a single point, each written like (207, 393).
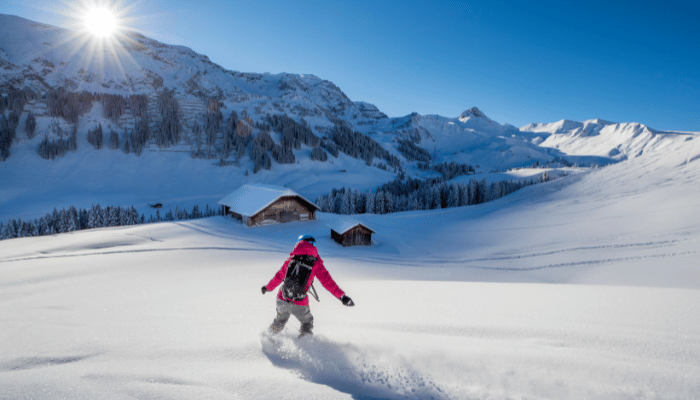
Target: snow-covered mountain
(599, 138)
(582, 287)
(41, 57)
(37, 59)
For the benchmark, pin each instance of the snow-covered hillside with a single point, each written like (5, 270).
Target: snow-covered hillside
(583, 287)
(601, 138)
(41, 58)
(586, 286)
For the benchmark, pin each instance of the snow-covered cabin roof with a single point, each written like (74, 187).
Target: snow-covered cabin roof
(250, 199)
(344, 226)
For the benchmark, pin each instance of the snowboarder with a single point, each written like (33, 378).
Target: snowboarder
(297, 274)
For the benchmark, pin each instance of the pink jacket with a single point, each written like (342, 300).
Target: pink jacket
(319, 271)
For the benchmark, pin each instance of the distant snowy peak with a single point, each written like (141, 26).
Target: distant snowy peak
(472, 112)
(474, 118)
(471, 125)
(591, 127)
(617, 141)
(585, 128)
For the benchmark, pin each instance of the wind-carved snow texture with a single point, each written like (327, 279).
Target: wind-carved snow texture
(26, 363)
(363, 372)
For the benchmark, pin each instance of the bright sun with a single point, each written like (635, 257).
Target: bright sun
(101, 22)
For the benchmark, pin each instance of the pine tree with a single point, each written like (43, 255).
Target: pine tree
(127, 147)
(139, 135)
(453, 197)
(99, 136)
(346, 207)
(73, 219)
(95, 137)
(43, 226)
(317, 154)
(7, 137)
(388, 203)
(169, 127)
(62, 222)
(229, 140)
(483, 193)
(214, 119)
(92, 218)
(113, 140)
(100, 220)
(473, 191)
(380, 203)
(73, 139)
(113, 216)
(369, 208)
(30, 125)
(133, 216)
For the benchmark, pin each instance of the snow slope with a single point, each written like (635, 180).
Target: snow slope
(584, 287)
(599, 138)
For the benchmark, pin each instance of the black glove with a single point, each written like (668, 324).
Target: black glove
(264, 289)
(347, 301)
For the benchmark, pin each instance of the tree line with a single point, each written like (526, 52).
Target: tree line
(13, 100)
(8, 132)
(448, 170)
(71, 106)
(413, 152)
(51, 149)
(215, 137)
(74, 219)
(410, 194)
(355, 144)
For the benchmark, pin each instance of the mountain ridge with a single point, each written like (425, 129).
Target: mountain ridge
(43, 57)
(306, 104)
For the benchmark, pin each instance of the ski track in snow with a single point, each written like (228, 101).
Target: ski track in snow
(445, 263)
(364, 373)
(588, 262)
(665, 243)
(583, 249)
(102, 253)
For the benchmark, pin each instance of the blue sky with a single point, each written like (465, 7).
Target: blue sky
(519, 62)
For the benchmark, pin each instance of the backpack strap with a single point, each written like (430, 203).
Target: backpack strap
(313, 293)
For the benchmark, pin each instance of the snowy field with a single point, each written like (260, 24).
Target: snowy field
(584, 287)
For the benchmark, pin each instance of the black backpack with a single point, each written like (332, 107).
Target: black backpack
(297, 277)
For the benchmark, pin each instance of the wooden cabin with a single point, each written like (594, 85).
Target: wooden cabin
(258, 204)
(352, 234)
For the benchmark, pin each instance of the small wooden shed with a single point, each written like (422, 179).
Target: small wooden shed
(352, 234)
(259, 204)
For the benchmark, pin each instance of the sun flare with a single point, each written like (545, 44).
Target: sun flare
(101, 22)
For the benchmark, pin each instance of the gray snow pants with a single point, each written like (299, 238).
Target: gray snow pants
(285, 309)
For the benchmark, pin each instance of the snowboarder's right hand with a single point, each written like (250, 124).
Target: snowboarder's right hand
(347, 301)
(264, 289)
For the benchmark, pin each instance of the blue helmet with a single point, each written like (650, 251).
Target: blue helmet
(308, 238)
